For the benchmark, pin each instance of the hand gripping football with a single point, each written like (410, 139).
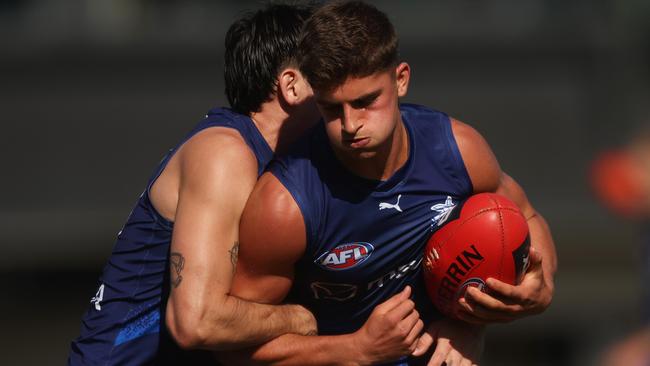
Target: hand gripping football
(485, 236)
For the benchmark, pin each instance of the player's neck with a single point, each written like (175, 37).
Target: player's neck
(279, 127)
(383, 163)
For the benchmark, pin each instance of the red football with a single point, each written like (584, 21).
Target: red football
(484, 236)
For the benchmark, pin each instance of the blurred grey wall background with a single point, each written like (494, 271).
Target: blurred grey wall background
(93, 93)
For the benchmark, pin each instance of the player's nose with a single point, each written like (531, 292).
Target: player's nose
(350, 122)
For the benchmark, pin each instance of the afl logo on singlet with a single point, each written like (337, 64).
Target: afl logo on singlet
(345, 256)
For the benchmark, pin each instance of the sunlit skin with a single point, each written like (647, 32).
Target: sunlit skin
(364, 123)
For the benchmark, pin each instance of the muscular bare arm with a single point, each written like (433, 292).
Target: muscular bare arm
(272, 240)
(216, 172)
(535, 292)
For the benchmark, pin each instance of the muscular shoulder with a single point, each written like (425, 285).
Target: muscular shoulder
(272, 240)
(480, 162)
(273, 208)
(214, 157)
(216, 163)
(217, 146)
(211, 165)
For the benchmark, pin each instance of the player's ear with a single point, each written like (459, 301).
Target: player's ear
(402, 77)
(293, 86)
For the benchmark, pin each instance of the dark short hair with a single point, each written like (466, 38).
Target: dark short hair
(344, 39)
(258, 46)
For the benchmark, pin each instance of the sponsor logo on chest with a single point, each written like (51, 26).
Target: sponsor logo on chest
(442, 212)
(345, 256)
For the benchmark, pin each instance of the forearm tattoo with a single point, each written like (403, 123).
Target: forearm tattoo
(234, 254)
(176, 264)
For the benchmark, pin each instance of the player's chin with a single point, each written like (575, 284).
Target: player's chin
(360, 153)
(365, 154)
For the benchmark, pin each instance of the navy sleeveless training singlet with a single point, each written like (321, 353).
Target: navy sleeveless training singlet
(365, 238)
(124, 324)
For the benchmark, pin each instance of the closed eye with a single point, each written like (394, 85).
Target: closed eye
(365, 101)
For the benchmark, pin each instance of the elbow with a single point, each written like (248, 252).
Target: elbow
(185, 329)
(193, 330)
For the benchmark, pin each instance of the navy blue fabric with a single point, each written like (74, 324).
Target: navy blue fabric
(365, 238)
(124, 324)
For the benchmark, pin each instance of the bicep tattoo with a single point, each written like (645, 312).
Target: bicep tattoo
(176, 264)
(234, 254)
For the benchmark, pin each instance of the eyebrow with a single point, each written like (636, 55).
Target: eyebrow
(360, 100)
(364, 99)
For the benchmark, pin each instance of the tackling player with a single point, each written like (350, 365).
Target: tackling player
(340, 223)
(167, 281)
(168, 276)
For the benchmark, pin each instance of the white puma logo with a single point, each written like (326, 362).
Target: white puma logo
(384, 205)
